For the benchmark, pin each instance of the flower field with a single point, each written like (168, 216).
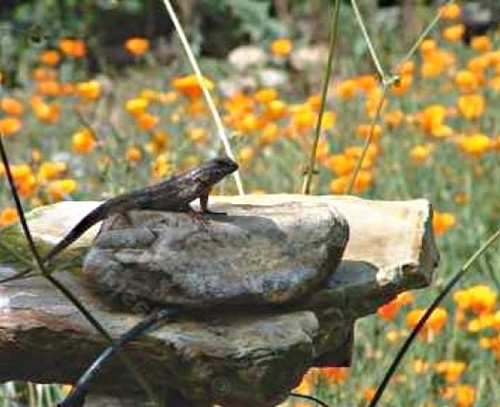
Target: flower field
(72, 136)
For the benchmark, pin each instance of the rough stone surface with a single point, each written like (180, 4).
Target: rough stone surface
(253, 256)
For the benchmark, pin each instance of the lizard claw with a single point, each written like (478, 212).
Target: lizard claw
(209, 212)
(199, 219)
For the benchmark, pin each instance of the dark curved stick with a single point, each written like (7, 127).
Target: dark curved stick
(310, 398)
(76, 397)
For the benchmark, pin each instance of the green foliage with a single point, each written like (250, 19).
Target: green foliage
(255, 19)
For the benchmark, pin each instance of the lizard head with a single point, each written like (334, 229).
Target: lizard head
(212, 171)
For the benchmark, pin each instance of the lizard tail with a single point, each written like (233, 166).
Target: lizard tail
(89, 220)
(98, 214)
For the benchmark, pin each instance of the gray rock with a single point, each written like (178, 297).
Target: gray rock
(254, 256)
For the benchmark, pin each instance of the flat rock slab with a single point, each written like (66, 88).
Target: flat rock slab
(238, 357)
(254, 255)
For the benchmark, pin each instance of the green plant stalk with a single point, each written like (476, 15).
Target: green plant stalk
(317, 133)
(368, 140)
(61, 287)
(368, 41)
(199, 77)
(406, 345)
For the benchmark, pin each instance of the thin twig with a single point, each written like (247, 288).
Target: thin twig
(77, 395)
(310, 398)
(368, 41)
(215, 114)
(333, 43)
(422, 36)
(406, 345)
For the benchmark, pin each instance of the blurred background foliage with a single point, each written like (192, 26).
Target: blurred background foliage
(213, 26)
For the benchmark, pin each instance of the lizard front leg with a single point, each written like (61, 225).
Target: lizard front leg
(204, 203)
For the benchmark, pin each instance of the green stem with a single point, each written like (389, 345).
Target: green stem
(333, 43)
(368, 141)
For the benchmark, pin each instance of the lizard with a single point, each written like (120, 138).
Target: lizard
(173, 195)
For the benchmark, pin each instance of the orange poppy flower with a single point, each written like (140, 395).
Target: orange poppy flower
(73, 47)
(434, 324)
(50, 57)
(162, 166)
(450, 11)
(42, 74)
(463, 395)
(466, 81)
(83, 141)
(281, 47)
(10, 125)
(333, 375)
(431, 117)
(245, 155)
(364, 130)
(276, 109)
(11, 106)
(450, 369)
(394, 118)
(133, 154)
(481, 43)
(428, 47)
(471, 106)
(60, 188)
(136, 106)
(369, 393)
(476, 144)
(442, 221)
(454, 33)
(89, 90)
(389, 310)
(270, 134)
(347, 89)
(51, 170)
(198, 135)
(480, 299)
(420, 153)
(8, 216)
(341, 164)
(49, 88)
(366, 83)
(137, 46)
(147, 121)
(45, 111)
(189, 87)
(266, 95)
(159, 142)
